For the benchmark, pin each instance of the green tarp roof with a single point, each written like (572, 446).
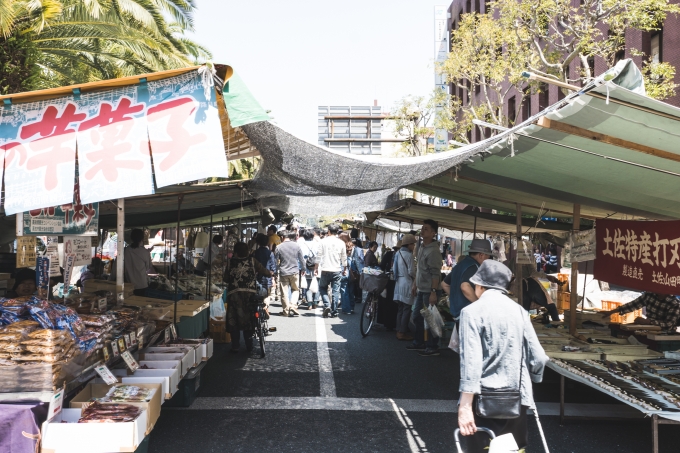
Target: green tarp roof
(636, 174)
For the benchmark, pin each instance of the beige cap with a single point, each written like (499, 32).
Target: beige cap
(408, 239)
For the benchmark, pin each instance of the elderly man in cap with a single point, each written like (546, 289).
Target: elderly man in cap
(499, 352)
(457, 284)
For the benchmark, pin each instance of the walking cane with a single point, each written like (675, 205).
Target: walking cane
(540, 430)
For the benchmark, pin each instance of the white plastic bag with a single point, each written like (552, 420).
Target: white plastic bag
(454, 343)
(303, 282)
(217, 311)
(433, 320)
(503, 444)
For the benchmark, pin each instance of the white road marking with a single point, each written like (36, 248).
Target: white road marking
(326, 379)
(388, 404)
(415, 443)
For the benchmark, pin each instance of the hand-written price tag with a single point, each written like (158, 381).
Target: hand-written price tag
(173, 331)
(101, 304)
(114, 348)
(130, 361)
(56, 403)
(106, 375)
(133, 338)
(105, 352)
(128, 341)
(167, 334)
(121, 344)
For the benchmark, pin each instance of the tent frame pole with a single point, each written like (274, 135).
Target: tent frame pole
(573, 302)
(179, 207)
(518, 267)
(120, 247)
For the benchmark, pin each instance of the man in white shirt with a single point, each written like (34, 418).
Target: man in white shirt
(331, 266)
(209, 256)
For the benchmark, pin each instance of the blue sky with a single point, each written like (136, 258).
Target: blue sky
(295, 55)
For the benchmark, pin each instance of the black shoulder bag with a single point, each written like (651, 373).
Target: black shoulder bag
(501, 404)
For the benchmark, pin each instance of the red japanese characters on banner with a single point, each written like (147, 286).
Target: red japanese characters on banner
(639, 255)
(116, 132)
(113, 152)
(40, 157)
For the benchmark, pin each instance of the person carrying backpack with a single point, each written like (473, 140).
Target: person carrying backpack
(310, 251)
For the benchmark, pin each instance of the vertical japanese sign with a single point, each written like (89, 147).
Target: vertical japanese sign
(42, 273)
(39, 139)
(80, 247)
(68, 270)
(639, 255)
(53, 253)
(26, 251)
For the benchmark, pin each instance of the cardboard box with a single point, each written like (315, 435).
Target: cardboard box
(204, 348)
(167, 378)
(63, 434)
(184, 349)
(186, 358)
(163, 365)
(153, 407)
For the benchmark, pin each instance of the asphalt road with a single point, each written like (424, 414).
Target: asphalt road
(324, 388)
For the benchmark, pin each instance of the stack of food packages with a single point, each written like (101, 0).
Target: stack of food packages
(109, 413)
(88, 303)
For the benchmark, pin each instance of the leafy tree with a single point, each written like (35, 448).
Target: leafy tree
(86, 40)
(413, 118)
(491, 50)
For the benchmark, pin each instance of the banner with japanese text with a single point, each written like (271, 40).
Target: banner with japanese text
(641, 255)
(116, 132)
(185, 133)
(39, 143)
(71, 218)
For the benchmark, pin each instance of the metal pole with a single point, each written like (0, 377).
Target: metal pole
(518, 267)
(585, 278)
(179, 206)
(208, 280)
(120, 233)
(574, 277)
(474, 231)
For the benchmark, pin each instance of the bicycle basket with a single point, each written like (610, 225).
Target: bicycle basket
(373, 283)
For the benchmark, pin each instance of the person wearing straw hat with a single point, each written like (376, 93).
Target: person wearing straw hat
(457, 284)
(499, 352)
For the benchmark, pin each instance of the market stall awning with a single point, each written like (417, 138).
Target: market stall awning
(413, 212)
(227, 201)
(608, 148)
(122, 138)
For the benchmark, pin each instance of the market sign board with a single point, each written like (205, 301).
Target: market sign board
(67, 219)
(116, 132)
(80, 247)
(582, 246)
(642, 255)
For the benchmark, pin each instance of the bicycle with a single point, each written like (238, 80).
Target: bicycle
(374, 284)
(261, 325)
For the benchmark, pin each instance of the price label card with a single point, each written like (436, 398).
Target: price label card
(114, 348)
(106, 374)
(128, 341)
(101, 304)
(105, 353)
(121, 344)
(133, 338)
(173, 331)
(168, 334)
(130, 361)
(56, 404)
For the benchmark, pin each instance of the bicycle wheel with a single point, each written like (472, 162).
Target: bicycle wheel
(260, 334)
(369, 314)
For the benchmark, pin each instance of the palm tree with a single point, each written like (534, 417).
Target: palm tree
(86, 40)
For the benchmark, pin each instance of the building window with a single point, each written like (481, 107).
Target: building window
(477, 6)
(468, 6)
(526, 106)
(620, 55)
(512, 109)
(544, 97)
(591, 66)
(656, 44)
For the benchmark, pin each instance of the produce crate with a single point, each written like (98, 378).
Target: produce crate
(563, 300)
(218, 331)
(623, 319)
(166, 295)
